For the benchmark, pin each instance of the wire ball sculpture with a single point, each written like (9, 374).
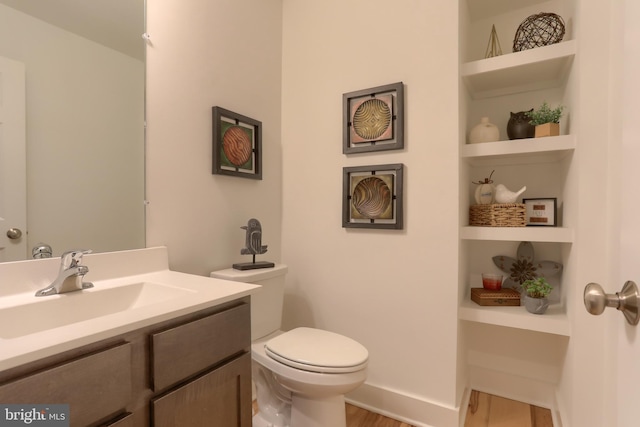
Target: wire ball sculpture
(539, 30)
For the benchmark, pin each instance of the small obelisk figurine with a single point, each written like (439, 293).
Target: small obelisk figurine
(253, 246)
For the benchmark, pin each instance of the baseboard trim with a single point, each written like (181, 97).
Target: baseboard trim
(402, 407)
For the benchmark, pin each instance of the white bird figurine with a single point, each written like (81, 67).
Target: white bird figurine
(504, 195)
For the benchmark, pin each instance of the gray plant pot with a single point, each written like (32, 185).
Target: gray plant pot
(536, 305)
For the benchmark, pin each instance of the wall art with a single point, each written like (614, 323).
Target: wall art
(373, 119)
(525, 267)
(541, 212)
(237, 144)
(372, 196)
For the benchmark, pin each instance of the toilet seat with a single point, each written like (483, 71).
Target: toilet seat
(316, 350)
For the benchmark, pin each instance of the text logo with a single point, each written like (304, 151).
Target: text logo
(34, 415)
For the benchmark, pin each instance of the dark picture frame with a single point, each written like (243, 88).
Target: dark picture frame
(541, 212)
(373, 196)
(237, 144)
(373, 119)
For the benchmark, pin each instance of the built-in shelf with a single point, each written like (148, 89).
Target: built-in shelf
(489, 8)
(532, 69)
(553, 321)
(518, 234)
(506, 348)
(543, 150)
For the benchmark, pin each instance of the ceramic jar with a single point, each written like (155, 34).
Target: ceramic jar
(519, 127)
(536, 305)
(484, 132)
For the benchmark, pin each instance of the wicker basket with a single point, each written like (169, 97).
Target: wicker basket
(498, 215)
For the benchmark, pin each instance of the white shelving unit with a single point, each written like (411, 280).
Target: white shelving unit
(554, 321)
(529, 70)
(518, 234)
(503, 76)
(544, 150)
(494, 87)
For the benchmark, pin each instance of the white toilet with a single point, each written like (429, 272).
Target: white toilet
(300, 376)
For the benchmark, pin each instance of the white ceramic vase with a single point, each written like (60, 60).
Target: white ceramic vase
(484, 132)
(485, 194)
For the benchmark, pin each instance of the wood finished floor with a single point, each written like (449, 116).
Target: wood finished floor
(358, 417)
(486, 410)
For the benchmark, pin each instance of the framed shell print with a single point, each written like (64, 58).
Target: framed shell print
(373, 119)
(373, 196)
(237, 144)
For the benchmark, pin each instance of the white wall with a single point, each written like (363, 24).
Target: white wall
(205, 53)
(394, 291)
(72, 85)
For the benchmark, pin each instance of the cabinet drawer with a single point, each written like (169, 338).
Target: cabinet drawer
(94, 386)
(189, 349)
(220, 398)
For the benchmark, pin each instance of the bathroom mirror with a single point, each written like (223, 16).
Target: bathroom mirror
(84, 78)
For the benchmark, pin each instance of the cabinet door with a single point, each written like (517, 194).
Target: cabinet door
(220, 398)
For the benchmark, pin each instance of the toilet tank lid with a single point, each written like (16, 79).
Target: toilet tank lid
(250, 276)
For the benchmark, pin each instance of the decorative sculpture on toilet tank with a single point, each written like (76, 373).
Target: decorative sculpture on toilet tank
(253, 246)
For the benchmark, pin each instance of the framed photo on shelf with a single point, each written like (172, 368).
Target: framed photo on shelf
(372, 196)
(541, 212)
(373, 119)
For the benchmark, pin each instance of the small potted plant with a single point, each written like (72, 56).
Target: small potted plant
(536, 292)
(546, 120)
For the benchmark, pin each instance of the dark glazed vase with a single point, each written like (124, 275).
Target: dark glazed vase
(519, 126)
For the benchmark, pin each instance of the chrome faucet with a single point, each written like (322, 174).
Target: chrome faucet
(71, 274)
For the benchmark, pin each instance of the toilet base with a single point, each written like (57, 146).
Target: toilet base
(259, 421)
(318, 412)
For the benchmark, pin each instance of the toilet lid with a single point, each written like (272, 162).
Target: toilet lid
(317, 350)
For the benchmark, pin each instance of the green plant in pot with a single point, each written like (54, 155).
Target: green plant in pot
(546, 120)
(536, 292)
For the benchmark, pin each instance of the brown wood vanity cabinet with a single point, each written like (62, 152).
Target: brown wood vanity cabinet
(213, 353)
(192, 371)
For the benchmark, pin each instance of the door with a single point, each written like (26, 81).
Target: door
(626, 355)
(13, 180)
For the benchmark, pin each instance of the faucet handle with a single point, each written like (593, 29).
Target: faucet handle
(72, 258)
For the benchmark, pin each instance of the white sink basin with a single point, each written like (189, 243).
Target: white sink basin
(132, 289)
(49, 312)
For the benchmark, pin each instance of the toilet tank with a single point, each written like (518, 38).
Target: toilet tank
(266, 303)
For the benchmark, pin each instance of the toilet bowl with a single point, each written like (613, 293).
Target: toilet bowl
(302, 375)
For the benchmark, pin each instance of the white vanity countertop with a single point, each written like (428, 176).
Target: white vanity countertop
(172, 294)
